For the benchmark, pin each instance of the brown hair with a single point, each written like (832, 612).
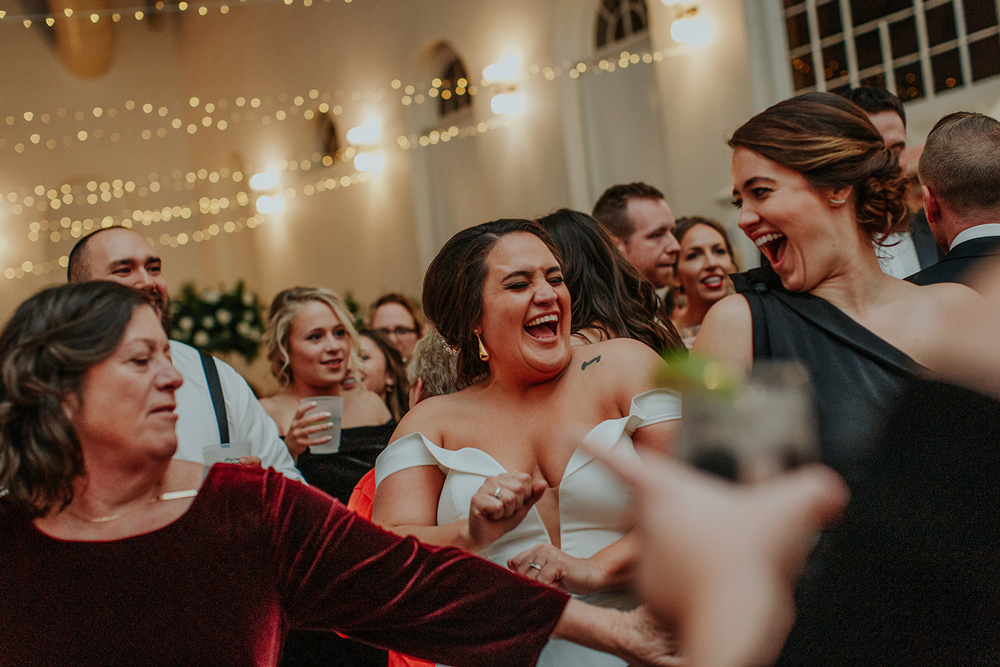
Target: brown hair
(606, 291)
(402, 300)
(397, 395)
(686, 224)
(46, 349)
(285, 306)
(831, 142)
(961, 163)
(453, 288)
(611, 209)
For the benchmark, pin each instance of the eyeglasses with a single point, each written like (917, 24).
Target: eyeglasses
(398, 331)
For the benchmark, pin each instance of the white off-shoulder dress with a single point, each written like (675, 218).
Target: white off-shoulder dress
(594, 507)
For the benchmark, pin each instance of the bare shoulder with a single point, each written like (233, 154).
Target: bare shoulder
(617, 349)
(948, 298)
(280, 408)
(727, 333)
(431, 416)
(934, 311)
(621, 367)
(365, 409)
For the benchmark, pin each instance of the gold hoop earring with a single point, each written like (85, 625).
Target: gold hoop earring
(483, 354)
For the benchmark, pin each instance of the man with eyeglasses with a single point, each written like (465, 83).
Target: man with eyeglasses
(396, 317)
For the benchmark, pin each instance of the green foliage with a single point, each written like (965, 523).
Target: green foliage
(354, 308)
(219, 322)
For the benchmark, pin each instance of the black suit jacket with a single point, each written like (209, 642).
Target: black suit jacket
(928, 251)
(957, 265)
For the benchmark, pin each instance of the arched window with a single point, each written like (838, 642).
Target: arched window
(454, 89)
(619, 19)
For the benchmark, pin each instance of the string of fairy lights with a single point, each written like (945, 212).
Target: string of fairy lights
(223, 113)
(69, 228)
(106, 191)
(219, 115)
(204, 8)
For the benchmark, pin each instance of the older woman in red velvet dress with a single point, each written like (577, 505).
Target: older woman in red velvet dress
(114, 553)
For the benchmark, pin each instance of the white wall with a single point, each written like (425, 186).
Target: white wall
(376, 236)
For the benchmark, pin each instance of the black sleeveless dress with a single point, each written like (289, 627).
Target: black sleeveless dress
(856, 376)
(337, 474)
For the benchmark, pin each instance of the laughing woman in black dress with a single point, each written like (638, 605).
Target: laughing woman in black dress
(817, 188)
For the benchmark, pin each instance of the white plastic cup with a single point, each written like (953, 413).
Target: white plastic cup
(335, 406)
(230, 452)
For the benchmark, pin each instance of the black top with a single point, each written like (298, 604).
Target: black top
(912, 574)
(957, 266)
(855, 374)
(928, 251)
(338, 473)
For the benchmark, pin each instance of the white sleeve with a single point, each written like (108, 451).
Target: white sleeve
(410, 451)
(653, 407)
(248, 422)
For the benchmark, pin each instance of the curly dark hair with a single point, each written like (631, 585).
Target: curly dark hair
(831, 142)
(46, 349)
(606, 291)
(453, 288)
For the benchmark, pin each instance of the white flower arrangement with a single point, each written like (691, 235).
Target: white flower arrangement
(219, 321)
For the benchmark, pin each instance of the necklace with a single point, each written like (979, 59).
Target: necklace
(170, 495)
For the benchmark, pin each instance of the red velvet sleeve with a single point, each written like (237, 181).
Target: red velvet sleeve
(338, 571)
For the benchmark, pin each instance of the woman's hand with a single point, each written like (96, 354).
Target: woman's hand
(297, 437)
(634, 636)
(644, 641)
(549, 565)
(251, 461)
(500, 504)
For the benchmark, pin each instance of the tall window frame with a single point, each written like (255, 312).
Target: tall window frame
(914, 48)
(454, 94)
(618, 21)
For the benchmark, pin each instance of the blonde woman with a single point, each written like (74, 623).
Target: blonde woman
(311, 346)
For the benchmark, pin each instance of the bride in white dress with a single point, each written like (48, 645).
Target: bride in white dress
(495, 468)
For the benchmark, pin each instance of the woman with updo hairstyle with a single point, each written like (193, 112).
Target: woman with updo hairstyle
(610, 299)
(496, 468)
(816, 187)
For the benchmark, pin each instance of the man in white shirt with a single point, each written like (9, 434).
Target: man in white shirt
(124, 256)
(960, 173)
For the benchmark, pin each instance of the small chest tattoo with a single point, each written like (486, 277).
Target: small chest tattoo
(592, 361)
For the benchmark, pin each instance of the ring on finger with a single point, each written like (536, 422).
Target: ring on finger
(496, 494)
(534, 566)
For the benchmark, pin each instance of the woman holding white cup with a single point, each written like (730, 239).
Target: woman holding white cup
(312, 346)
(311, 343)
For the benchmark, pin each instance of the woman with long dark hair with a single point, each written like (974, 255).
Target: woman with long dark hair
(701, 274)
(610, 299)
(496, 467)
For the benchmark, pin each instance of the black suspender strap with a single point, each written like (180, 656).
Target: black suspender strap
(218, 400)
